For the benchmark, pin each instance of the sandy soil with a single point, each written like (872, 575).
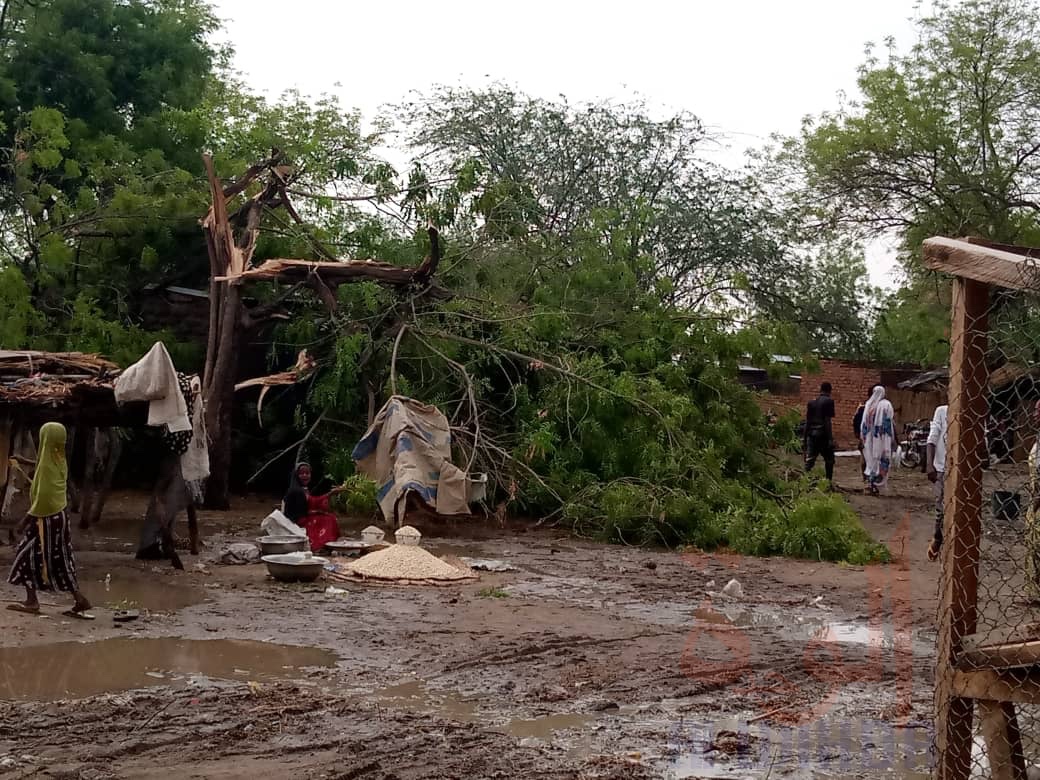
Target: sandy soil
(590, 661)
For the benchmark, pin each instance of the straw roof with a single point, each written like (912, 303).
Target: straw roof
(66, 382)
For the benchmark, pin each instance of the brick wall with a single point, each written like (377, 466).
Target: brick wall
(771, 403)
(851, 383)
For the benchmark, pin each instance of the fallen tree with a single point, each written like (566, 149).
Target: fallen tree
(231, 240)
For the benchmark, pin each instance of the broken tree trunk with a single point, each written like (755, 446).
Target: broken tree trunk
(231, 323)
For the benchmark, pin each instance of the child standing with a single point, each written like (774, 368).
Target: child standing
(44, 559)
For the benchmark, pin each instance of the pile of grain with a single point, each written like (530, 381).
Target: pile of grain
(408, 564)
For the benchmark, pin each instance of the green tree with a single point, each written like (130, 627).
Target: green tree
(95, 201)
(941, 141)
(944, 138)
(913, 325)
(551, 168)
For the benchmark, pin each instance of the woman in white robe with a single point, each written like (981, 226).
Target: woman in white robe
(879, 439)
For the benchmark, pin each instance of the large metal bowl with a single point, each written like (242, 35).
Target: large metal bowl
(292, 568)
(279, 545)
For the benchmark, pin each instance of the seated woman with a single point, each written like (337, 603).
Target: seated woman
(312, 513)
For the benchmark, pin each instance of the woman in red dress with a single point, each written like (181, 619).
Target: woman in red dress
(310, 512)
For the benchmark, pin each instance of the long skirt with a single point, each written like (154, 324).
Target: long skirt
(321, 528)
(44, 559)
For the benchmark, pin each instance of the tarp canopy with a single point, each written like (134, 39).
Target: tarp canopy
(406, 450)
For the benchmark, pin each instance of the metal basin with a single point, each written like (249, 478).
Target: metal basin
(293, 568)
(279, 545)
(351, 547)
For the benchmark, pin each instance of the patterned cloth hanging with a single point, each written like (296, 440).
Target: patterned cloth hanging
(178, 442)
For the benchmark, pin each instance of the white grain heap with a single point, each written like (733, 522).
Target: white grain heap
(405, 562)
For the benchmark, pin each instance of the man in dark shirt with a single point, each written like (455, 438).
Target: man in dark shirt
(819, 437)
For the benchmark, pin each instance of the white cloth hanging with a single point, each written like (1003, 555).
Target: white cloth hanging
(153, 378)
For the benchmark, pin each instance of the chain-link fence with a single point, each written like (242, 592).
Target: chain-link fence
(988, 501)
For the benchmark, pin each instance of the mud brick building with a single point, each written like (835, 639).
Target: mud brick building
(851, 381)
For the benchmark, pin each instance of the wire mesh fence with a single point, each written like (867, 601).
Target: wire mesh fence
(987, 483)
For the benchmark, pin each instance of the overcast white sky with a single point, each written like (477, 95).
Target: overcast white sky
(747, 68)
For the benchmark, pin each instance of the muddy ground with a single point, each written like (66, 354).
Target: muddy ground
(590, 661)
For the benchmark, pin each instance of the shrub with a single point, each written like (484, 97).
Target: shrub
(807, 524)
(359, 498)
(818, 526)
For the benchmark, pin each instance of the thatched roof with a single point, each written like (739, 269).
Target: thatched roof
(58, 384)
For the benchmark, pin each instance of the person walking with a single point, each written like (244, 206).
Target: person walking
(936, 470)
(819, 436)
(857, 427)
(879, 440)
(43, 560)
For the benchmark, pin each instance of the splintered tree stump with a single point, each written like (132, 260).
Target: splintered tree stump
(232, 323)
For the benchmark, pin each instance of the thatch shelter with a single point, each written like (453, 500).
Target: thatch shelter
(72, 388)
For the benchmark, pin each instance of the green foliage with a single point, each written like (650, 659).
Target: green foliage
(784, 433)
(18, 318)
(943, 140)
(703, 237)
(359, 496)
(820, 527)
(123, 342)
(493, 592)
(805, 525)
(914, 324)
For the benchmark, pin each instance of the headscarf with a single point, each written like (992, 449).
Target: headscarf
(47, 493)
(295, 503)
(876, 397)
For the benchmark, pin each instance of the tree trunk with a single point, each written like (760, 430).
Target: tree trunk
(218, 386)
(230, 323)
(219, 419)
(219, 397)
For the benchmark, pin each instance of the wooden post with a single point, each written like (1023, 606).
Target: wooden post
(1003, 740)
(958, 603)
(102, 460)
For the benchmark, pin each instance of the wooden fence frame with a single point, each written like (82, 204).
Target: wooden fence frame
(963, 678)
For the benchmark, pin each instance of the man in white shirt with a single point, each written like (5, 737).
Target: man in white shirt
(936, 467)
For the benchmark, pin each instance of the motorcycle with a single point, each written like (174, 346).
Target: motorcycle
(914, 444)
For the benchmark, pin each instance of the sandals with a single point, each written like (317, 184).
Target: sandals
(24, 608)
(79, 614)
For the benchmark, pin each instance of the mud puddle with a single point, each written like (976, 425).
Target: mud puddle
(414, 696)
(124, 535)
(805, 625)
(830, 748)
(817, 628)
(147, 591)
(544, 728)
(80, 669)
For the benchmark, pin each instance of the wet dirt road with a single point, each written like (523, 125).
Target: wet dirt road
(590, 661)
